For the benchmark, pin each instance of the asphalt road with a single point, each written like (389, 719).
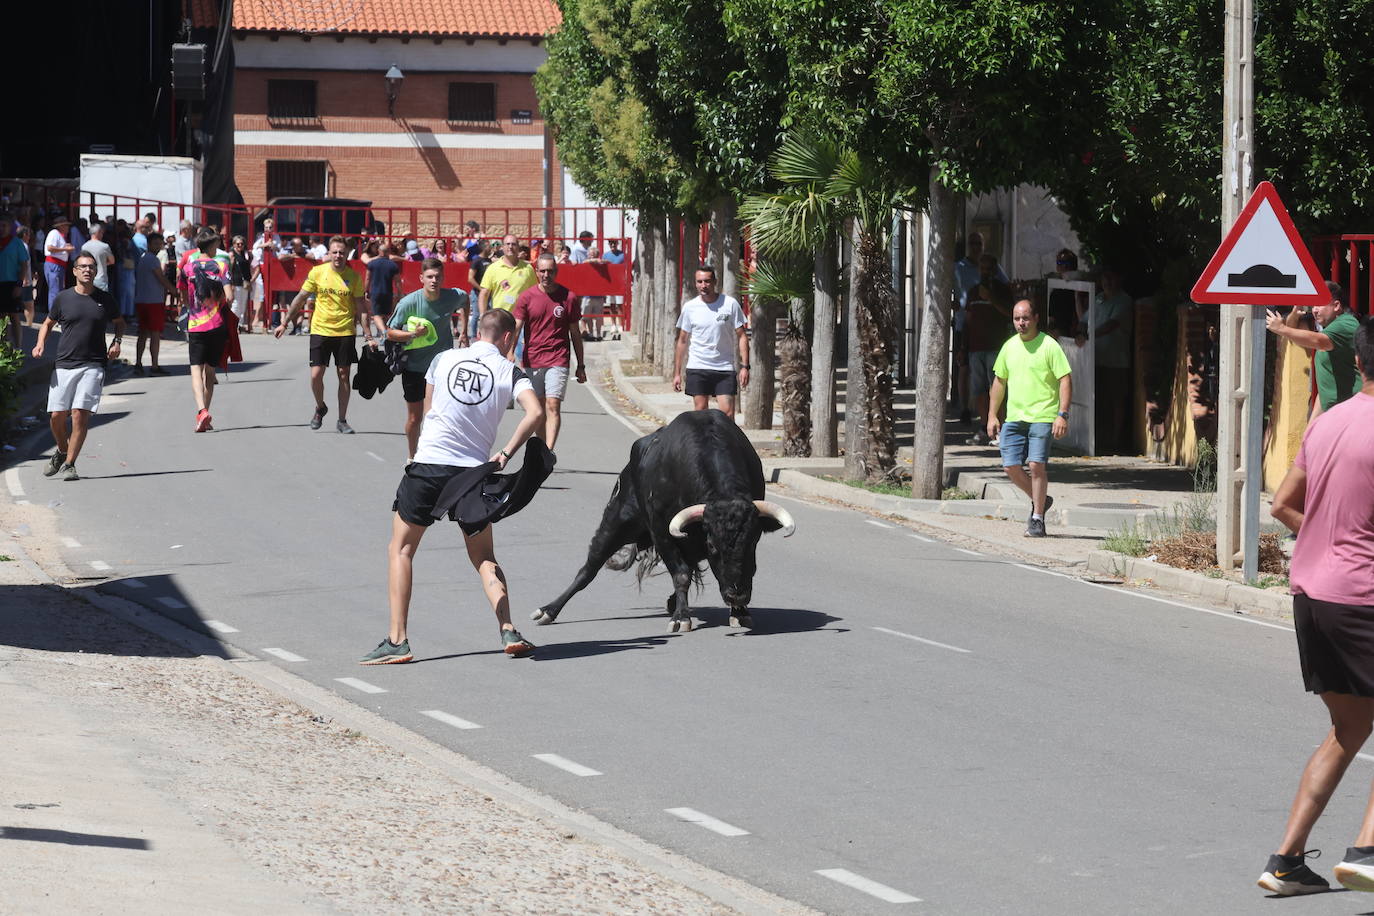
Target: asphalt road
(909, 726)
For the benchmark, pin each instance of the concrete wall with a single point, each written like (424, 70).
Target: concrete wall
(1032, 228)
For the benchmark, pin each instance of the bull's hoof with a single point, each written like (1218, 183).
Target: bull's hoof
(673, 626)
(742, 620)
(684, 625)
(687, 624)
(542, 617)
(623, 558)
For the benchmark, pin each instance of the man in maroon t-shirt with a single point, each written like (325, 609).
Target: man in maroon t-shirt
(548, 316)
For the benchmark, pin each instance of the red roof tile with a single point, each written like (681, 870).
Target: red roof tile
(477, 18)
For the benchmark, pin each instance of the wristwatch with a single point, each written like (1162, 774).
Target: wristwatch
(1064, 414)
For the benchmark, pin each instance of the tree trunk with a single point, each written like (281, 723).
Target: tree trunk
(855, 395)
(667, 327)
(932, 368)
(756, 411)
(715, 249)
(795, 395)
(646, 297)
(691, 257)
(732, 249)
(877, 307)
(824, 433)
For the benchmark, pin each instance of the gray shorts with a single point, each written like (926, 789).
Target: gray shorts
(549, 383)
(980, 363)
(76, 389)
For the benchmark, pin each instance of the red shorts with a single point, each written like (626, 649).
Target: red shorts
(152, 316)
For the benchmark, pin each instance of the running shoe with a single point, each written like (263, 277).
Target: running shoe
(55, 463)
(69, 472)
(978, 438)
(343, 427)
(1035, 528)
(1049, 501)
(318, 419)
(1356, 870)
(202, 420)
(1289, 876)
(516, 646)
(388, 653)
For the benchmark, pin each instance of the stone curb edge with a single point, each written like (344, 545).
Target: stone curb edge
(1239, 597)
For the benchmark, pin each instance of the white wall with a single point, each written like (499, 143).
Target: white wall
(1033, 229)
(173, 179)
(357, 53)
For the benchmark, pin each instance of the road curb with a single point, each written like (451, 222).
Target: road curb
(1234, 595)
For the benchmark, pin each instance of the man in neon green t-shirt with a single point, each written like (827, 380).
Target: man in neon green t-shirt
(1033, 372)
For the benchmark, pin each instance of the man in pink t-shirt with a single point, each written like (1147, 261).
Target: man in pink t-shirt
(1327, 500)
(548, 316)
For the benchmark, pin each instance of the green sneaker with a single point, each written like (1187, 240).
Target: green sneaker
(55, 463)
(388, 653)
(69, 472)
(516, 646)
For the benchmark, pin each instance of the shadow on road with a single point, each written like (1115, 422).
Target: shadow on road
(85, 476)
(47, 619)
(590, 647)
(770, 621)
(234, 429)
(39, 835)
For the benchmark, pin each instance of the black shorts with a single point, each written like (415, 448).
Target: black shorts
(382, 306)
(413, 387)
(419, 490)
(342, 349)
(206, 348)
(708, 382)
(1335, 646)
(9, 302)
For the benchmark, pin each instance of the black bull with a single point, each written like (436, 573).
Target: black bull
(692, 491)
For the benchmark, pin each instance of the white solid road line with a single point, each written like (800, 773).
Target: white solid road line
(70, 542)
(929, 642)
(356, 684)
(219, 626)
(563, 763)
(375, 455)
(693, 816)
(100, 566)
(440, 716)
(171, 602)
(134, 583)
(867, 885)
(1366, 757)
(284, 655)
(12, 481)
(877, 524)
(1139, 594)
(606, 406)
(972, 553)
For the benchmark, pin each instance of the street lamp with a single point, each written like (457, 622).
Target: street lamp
(393, 88)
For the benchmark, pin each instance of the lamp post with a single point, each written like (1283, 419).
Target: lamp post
(393, 88)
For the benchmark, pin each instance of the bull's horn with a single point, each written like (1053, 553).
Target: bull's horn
(685, 517)
(779, 514)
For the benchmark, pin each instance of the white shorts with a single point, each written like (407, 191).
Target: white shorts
(240, 302)
(76, 389)
(257, 290)
(549, 383)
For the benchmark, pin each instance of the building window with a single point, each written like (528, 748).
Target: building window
(291, 102)
(295, 178)
(472, 103)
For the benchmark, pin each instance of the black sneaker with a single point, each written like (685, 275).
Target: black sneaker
(1356, 870)
(1049, 501)
(55, 463)
(1289, 876)
(318, 419)
(1035, 528)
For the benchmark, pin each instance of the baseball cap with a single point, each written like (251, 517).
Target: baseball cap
(412, 245)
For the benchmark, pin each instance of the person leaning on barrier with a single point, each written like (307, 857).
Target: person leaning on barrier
(1333, 346)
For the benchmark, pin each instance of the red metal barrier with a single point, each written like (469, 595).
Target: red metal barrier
(1346, 259)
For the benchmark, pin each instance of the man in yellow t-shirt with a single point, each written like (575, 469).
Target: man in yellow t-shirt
(505, 279)
(340, 300)
(1032, 370)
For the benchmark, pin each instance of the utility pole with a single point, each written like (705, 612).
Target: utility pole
(1241, 409)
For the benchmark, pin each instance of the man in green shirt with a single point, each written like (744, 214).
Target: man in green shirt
(435, 305)
(1033, 372)
(1334, 346)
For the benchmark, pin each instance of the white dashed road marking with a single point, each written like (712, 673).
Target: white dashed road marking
(70, 542)
(284, 655)
(693, 816)
(877, 524)
(563, 763)
(972, 553)
(356, 684)
(439, 715)
(218, 626)
(100, 566)
(867, 885)
(171, 602)
(375, 455)
(1369, 758)
(923, 538)
(12, 481)
(134, 583)
(929, 642)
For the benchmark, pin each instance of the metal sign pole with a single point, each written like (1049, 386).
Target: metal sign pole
(1240, 420)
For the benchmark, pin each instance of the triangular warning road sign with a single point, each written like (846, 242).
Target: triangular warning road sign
(1262, 260)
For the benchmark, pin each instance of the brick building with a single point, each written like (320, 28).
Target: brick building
(315, 115)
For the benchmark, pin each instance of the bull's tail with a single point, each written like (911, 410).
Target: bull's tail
(649, 561)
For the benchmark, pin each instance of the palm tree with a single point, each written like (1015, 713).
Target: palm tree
(823, 185)
(789, 279)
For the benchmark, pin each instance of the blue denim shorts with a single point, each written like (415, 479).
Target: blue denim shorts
(1021, 442)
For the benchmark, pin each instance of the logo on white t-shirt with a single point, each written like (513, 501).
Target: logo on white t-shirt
(471, 382)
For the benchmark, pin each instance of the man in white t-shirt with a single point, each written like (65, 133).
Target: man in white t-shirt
(466, 393)
(709, 332)
(99, 249)
(57, 250)
(582, 247)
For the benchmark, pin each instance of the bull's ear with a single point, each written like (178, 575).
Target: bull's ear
(773, 517)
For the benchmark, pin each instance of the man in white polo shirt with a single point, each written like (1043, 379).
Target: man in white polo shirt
(709, 330)
(466, 393)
